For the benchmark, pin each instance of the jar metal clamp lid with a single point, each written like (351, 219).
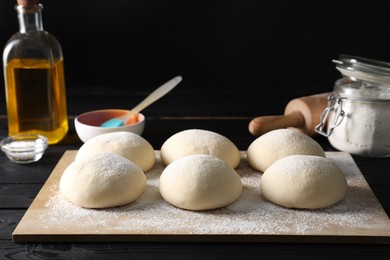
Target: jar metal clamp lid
(333, 105)
(364, 79)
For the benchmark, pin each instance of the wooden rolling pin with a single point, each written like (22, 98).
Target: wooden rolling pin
(302, 114)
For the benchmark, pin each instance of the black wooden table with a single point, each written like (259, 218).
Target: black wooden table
(227, 113)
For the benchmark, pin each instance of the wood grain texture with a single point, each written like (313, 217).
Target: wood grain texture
(18, 195)
(357, 225)
(9, 220)
(9, 250)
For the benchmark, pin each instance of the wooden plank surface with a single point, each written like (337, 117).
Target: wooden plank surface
(359, 218)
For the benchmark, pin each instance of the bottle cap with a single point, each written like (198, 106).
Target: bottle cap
(27, 2)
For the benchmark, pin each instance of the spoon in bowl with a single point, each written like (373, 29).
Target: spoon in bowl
(154, 96)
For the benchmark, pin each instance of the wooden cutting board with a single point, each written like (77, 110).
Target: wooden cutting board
(359, 218)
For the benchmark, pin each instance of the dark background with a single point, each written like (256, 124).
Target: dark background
(259, 46)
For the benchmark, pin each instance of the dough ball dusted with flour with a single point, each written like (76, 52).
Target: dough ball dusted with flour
(277, 144)
(129, 145)
(304, 182)
(197, 141)
(102, 180)
(200, 182)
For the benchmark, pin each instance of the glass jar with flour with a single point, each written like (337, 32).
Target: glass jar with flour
(357, 118)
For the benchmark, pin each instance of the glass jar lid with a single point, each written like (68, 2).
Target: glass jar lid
(367, 79)
(364, 69)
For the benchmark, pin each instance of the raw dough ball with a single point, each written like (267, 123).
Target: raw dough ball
(129, 145)
(303, 181)
(274, 145)
(196, 141)
(102, 180)
(200, 182)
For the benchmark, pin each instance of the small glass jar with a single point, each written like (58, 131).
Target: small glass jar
(24, 148)
(357, 118)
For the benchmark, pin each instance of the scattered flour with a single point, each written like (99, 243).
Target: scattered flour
(250, 214)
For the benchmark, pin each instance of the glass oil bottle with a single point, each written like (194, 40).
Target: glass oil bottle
(34, 78)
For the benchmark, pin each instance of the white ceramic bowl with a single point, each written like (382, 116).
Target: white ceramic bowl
(88, 124)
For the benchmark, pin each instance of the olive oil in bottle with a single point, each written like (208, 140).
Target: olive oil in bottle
(34, 78)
